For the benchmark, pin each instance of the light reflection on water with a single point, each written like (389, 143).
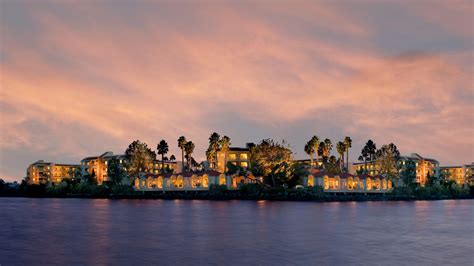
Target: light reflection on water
(84, 231)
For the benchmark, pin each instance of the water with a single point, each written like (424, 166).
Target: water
(111, 232)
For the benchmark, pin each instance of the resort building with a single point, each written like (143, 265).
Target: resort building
(316, 163)
(189, 181)
(98, 165)
(235, 155)
(462, 174)
(348, 183)
(42, 172)
(424, 167)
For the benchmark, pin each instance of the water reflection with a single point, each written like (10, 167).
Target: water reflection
(81, 231)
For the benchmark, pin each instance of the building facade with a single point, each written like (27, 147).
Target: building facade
(236, 155)
(190, 181)
(348, 183)
(462, 174)
(98, 165)
(425, 167)
(41, 172)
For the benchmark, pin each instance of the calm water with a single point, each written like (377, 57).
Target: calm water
(84, 231)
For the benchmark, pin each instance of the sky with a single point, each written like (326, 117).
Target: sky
(78, 78)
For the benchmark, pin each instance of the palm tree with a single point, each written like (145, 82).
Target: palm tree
(341, 149)
(348, 145)
(214, 147)
(309, 149)
(327, 147)
(225, 145)
(315, 144)
(189, 149)
(181, 143)
(172, 158)
(163, 149)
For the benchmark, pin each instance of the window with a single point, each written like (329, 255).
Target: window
(243, 156)
(244, 164)
(232, 156)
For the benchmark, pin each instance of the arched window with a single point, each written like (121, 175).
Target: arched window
(310, 181)
(137, 182)
(356, 183)
(384, 184)
(160, 182)
(350, 183)
(149, 182)
(368, 183)
(337, 182)
(377, 184)
(326, 182)
(389, 184)
(222, 179)
(205, 181)
(172, 181)
(180, 181)
(196, 181)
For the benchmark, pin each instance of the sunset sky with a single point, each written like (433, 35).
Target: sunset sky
(79, 78)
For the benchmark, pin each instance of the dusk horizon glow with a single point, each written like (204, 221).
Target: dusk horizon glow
(79, 79)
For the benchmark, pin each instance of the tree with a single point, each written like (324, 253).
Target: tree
(310, 151)
(271, 160)
(408, 173)
(233, 169)
(387, 160)
(341, 149)
(368, 153)
(333, 165)
(115, 171)
(172, 158)
(324, 150)
(214, 140)
(432, 179)
(314, 142)
(92, 178)
(162, 149)
(224, 147)
(139, 158)
(311, 148)
(348, 145)
(181, 143)
(189, 149)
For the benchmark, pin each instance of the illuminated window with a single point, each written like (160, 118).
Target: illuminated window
(310, 181)
(232, 156)
(243, 156)
(244, 164)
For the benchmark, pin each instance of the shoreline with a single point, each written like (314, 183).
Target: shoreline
(288, 198)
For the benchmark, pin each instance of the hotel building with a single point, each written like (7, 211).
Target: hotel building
(462, 174)
(348, 183)
(98, 165)
(236, 155)
(191, 181)
(424, 167)
(41, 172)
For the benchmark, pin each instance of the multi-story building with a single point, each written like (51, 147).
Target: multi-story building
(316, 163)
(236, 155)
(98, 165)
(424, 167)
(469, 173)
(462, 174)
(41, 172)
